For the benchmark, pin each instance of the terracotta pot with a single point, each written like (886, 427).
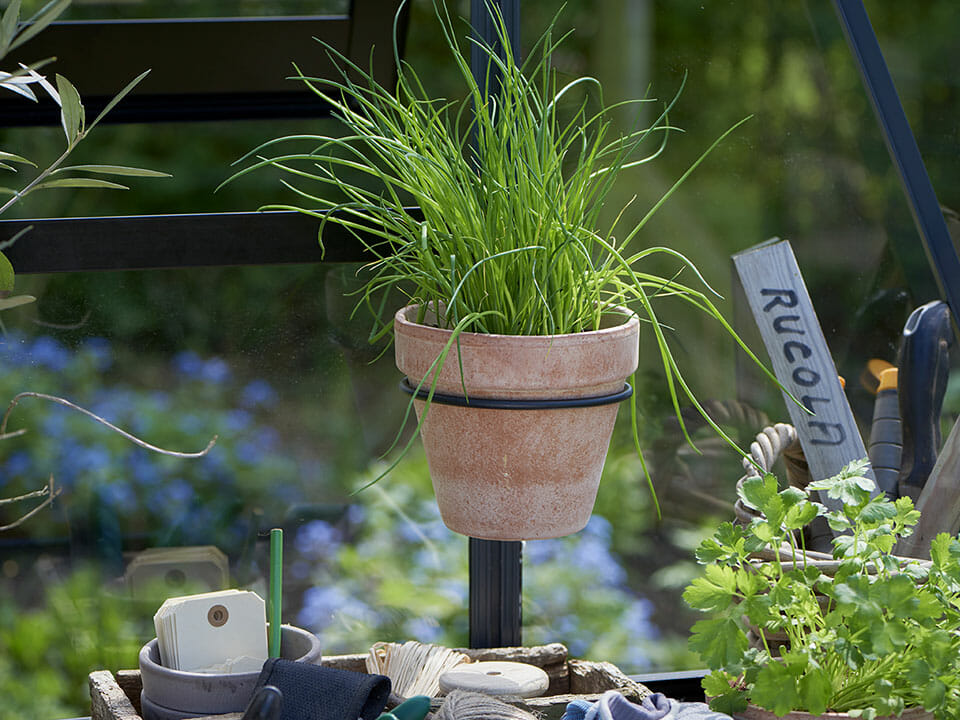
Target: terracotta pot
(508, 474)
(754, 713)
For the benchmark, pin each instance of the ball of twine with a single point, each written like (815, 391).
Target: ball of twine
(465, 705)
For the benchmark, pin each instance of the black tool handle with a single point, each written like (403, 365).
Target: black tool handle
(885, 447)
(923, 369)
(266, 704)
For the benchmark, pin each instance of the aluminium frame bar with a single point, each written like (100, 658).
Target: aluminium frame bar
(903, 149)
(196, 72)
(146, 242)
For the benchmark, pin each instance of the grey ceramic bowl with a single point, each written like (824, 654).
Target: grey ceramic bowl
(173, 694)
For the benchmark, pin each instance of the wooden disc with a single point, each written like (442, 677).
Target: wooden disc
(496, 678)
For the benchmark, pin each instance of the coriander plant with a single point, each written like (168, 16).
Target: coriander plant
(868, 632)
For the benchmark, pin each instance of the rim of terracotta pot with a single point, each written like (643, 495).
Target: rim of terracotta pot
(614, 311)
(540, 365)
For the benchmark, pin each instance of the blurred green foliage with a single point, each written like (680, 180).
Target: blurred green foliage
(47, 648)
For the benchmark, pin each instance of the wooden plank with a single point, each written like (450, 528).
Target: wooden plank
(107, 700)
(939, 501)
(131, 684)
(800, 358)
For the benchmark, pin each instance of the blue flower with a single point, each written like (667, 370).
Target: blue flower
(119, 496)
(258, 393)
(114, 403)
(318, 537)
(249, 453)
(417, 532)
(324, 605)
(421, 629)
(566, 627)
(143, 470)
(49, 353)
(299, 569)
(215, 370)
(197, 525)
(13, 349)
(100, 351)
(538, 552)
(188, 363)
(19, 462)
(54, 425)
(593, 557)
(454, 588)
(598, 528)
(636, 620)
(216, 465)
(89, 458)
(160, 400)
(356, 514)
(192, 424)
(319, 605)
(267, 438)
(238, 420)
(171, 496)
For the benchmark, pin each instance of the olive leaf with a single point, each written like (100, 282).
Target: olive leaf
(9, 157)
(118, 97)
(112, 170)
(6, 275)
(37, 23)
(16, 301)
(8, 25)
(71, 110)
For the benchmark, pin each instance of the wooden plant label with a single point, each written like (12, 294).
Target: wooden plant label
(799, 357)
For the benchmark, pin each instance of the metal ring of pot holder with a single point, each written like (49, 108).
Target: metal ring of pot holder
(517, 404)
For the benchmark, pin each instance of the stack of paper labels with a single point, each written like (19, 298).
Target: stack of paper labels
(217, 632)
(413, 668)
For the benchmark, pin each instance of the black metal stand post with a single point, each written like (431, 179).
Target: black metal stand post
(495, 593)
(496, 584)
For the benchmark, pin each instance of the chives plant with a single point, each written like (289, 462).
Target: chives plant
(510, 183)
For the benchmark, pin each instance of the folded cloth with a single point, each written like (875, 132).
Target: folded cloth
(698, 711)
(314, 692)
(612, 705)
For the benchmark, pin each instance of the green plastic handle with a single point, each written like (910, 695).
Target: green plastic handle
(413, 708)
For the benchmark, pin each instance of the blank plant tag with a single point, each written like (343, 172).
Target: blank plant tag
(222, 631)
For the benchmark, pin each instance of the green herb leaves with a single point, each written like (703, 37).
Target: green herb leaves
(864, 632)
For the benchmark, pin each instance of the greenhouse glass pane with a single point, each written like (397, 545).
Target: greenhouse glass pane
(273, 362)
